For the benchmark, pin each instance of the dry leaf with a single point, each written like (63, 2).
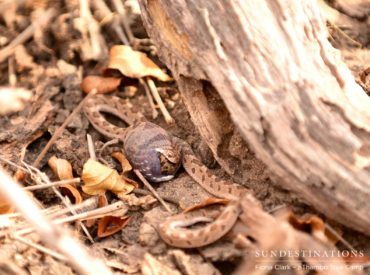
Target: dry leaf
(63, 170)
(102, 84)
(102, 201)
(125, 164)
(19, 175)
(365, 80)
(99, 178)
(309, 223)
(133, 64)
(5, 206)
(126, 167)
(110, 225)
(71, 192)
(364, 74)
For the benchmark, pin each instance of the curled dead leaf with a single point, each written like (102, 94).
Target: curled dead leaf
(125, 164)
(5, 206)
(102, 84)
(71, 192)
(102, 201)
(110, 225)
(133, 64)
(19, 175)
(126, 167)
(99, 178)
(63, 170)
(311, 224)
(365, 79)
(364, 74)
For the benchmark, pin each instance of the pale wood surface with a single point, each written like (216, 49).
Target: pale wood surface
(287, 91)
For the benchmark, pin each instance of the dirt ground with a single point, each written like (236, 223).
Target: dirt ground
(51, 64)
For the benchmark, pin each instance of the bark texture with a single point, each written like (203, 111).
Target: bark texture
(267, 67)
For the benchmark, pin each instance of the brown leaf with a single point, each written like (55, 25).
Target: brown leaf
(133, 64)
(102, 84)
(126, 167)
(365, 80)
(99, 178)
(19, 175)
(364, 74)
(103, 201)
(311, 224)
(125, 164)
(110, 225)
(206, 203)
(5, 206)
(71, 192)
(63, 170)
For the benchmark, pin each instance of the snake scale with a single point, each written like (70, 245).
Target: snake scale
(157, 155)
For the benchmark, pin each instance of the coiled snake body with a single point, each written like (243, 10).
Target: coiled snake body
(157, 155)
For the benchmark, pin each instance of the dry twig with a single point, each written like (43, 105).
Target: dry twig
(92, 214)
(39, 247)
(150, 98)
(52, 184)
(42, 179)
(147, 184)
(90, 146)
(148, 84)
(157, 97)
(25, 35)
(98, 48)
(50, 234)
(59, 131)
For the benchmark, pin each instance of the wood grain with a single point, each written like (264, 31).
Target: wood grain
(286, 88)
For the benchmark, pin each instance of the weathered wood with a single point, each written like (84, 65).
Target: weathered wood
(293, 100)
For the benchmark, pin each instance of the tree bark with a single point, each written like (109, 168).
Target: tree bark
(286, 90)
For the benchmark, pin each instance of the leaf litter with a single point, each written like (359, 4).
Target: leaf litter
(48, 68)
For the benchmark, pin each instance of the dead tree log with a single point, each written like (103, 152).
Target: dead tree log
(285, 88)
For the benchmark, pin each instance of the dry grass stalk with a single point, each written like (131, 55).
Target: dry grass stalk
(52, 235)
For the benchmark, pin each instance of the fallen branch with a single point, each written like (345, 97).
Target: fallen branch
(296, 105)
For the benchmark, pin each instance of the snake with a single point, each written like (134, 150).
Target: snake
(158, 155)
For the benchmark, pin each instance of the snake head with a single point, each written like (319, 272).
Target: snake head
(171, 154)
(169, 159)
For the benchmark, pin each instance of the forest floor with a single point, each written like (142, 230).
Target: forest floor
(50, 64)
